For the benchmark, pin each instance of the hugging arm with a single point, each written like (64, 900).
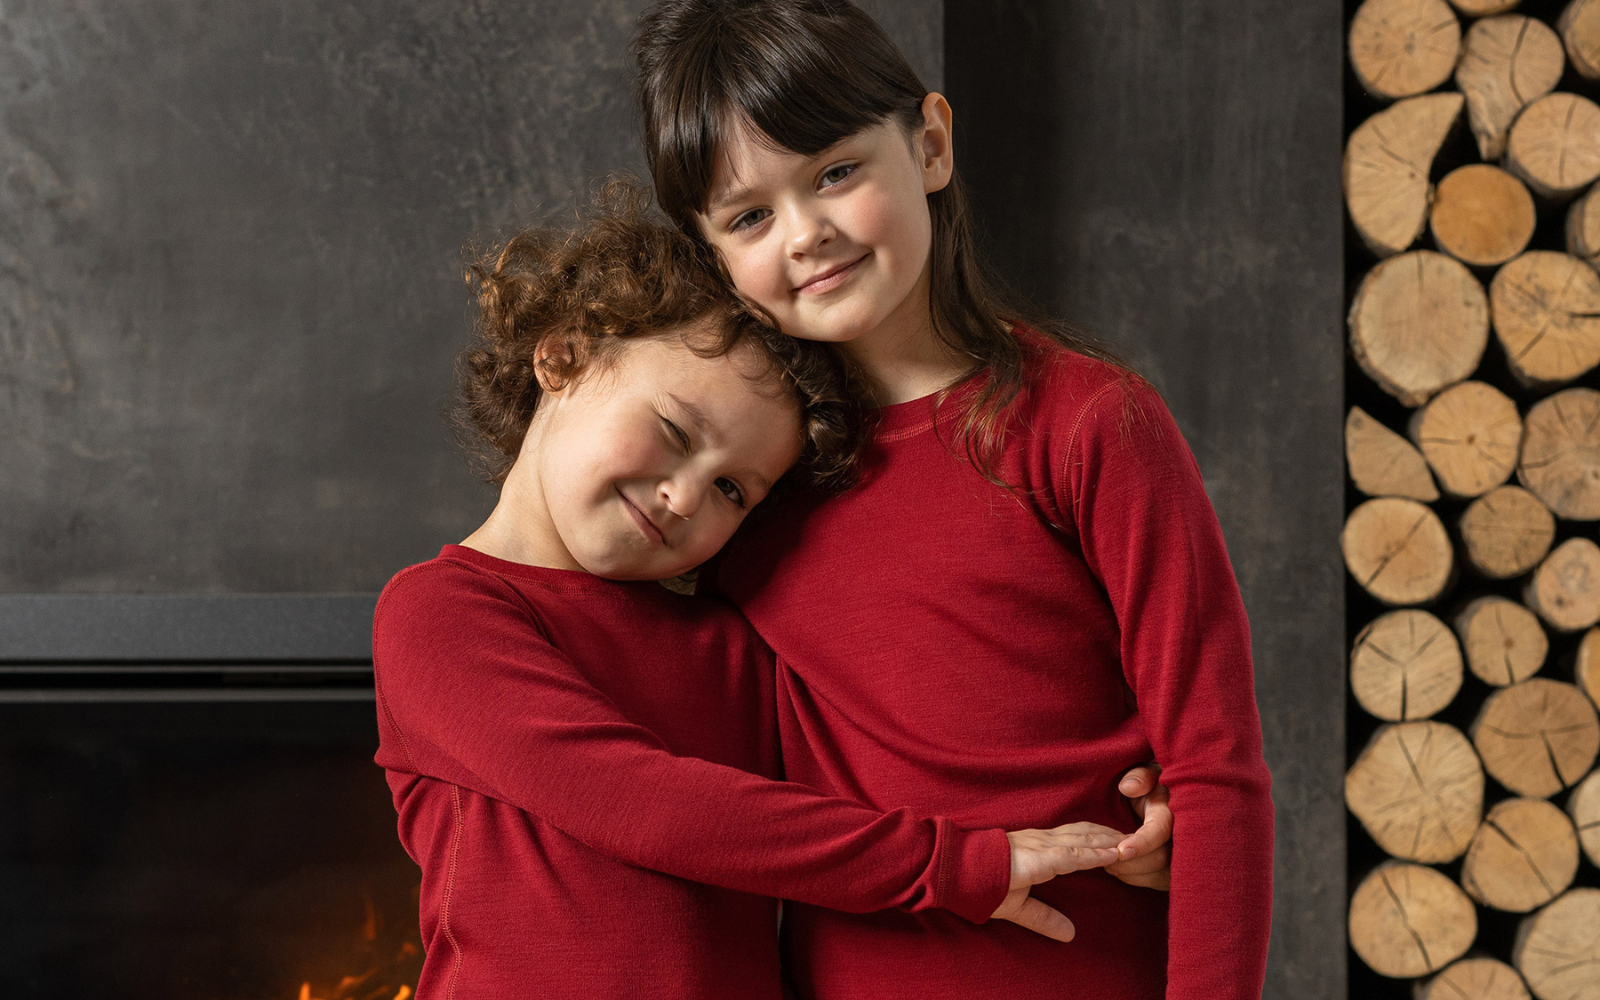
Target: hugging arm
(471, 693)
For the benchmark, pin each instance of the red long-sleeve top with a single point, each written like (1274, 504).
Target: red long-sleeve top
(572, 757)
(1002, 656)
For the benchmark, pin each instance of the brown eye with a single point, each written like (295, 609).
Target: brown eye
(731, 490)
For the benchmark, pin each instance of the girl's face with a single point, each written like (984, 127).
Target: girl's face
(645, 468)
(835, 246)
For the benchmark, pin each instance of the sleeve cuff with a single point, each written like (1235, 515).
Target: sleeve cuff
(975, 871)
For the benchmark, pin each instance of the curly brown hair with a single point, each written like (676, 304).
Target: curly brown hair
(622, 274)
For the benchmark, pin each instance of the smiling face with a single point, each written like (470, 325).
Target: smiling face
(643, 468)
(835, 246)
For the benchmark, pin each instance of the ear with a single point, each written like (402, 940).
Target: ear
(937, 148)
(554, 363)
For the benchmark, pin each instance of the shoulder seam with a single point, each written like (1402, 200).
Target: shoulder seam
(1072, 437)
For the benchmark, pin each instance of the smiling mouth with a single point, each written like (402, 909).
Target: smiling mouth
(830, 279)
(642, 521)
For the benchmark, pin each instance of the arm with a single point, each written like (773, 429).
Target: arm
(1150, 535)
(470, 693)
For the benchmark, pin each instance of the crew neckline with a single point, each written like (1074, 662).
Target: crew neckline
(900, 420)
(549, 576)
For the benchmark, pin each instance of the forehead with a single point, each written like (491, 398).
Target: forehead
(725, 386)
(749, 158)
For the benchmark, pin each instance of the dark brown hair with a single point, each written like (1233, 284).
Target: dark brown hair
(807, 74)
(561, 302)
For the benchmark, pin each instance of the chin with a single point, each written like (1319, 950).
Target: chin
(825, 333)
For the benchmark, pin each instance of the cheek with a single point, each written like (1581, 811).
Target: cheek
(713, 534)
(894, 225)
(758, 272)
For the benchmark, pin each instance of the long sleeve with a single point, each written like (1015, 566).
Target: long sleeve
(470, 692)
(1149, 534)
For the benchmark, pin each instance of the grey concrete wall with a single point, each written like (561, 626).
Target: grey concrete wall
(1166, 175)
(230, 255)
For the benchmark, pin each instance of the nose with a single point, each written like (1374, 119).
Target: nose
(809, 231)
(683, 494)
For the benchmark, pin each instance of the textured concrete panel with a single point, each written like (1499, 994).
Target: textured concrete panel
(230, 255)
(1167, 176)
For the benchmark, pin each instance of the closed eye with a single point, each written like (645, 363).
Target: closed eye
(677, 432)
(731, 490)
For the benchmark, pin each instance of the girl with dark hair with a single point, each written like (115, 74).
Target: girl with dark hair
(1027, 592)
(568, 743)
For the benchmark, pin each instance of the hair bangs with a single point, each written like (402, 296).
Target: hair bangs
(799, 77)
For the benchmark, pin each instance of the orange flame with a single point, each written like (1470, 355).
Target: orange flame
(383, 979)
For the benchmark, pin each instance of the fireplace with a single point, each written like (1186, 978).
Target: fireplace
(195, 808)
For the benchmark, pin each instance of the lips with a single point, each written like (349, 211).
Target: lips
(642, 521)
(830, 279)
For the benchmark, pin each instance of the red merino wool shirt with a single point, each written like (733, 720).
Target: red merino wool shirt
(571, 758)
(1002, 657)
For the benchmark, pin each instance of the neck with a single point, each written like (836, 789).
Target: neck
(904, 358)
(519, 529)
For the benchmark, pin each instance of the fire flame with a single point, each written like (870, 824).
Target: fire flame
(384, 977)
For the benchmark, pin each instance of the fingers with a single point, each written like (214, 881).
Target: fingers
(1040, 855)
(1161, 881)
(1139, 780)
(1158, 860)
(1043, 919)
(1154, 831)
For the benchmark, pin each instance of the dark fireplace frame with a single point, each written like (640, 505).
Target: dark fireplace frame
(138, 647)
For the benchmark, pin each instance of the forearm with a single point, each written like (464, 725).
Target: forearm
(1220, 910)
(470, 694)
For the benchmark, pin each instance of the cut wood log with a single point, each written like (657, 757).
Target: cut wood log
(1565, 589)
(1403, 47)
(1484, 8)
(1419, 323)
(1408, 920)
(1523, 855)
(1506, 63)
(1560, 461)
(1470, 434)
(1504, 642)
(1386, 166)
(1482, 215)
(1580, 30)
(1475, 979)
(1506, 532)
(1586, 669)
(1405, 665)
(1558, 949)
(1382, 463)
(1537, 737)
(1417, 789)
(1555, 144)
(1546, 311)
(1583, 224)
(1583, 806)
(1397, 550)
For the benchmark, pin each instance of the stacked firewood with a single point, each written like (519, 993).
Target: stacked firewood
(1475, 462)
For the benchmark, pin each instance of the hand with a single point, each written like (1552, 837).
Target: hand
(1039, 856)
(1145, 855)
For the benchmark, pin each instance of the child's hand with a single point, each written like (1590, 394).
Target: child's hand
(1039, 856)
(1145, 855)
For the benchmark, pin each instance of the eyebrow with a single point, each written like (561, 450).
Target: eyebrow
(695, 414)
(698, 418)
(732, 197)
